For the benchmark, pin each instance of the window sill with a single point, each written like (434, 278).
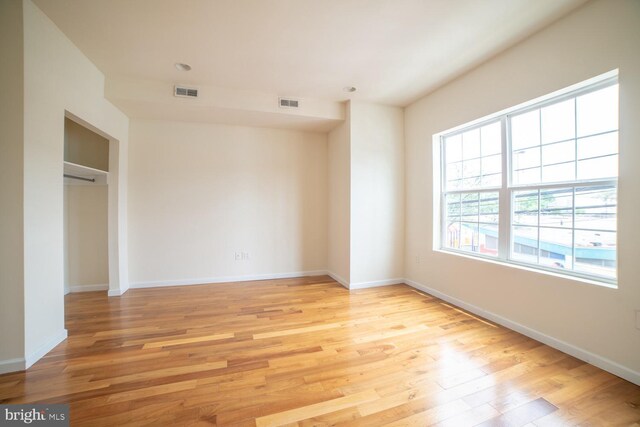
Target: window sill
(511, 264)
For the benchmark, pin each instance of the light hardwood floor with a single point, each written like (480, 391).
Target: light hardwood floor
(307, 352)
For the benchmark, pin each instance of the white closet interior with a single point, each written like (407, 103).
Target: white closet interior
(86, 177)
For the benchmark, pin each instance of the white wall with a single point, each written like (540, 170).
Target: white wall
(598, 37)
(86, 237)
(11, 180)
(366, 196)
(339, 220)
(58, 78)
(377, 194)
(198, 193)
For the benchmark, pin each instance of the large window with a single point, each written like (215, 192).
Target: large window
(537, 185)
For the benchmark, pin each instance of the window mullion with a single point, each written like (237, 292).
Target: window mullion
(538, 225)
(575, 139)
(504, 198)
(540, 146)
(443, 196)
(573, 228)
(575, 176)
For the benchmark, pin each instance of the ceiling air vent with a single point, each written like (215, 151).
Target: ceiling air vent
(288, 103)
(185, 92)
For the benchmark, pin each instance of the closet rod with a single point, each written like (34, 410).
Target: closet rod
(80, 178)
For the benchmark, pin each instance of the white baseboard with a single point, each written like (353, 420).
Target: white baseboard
(86, 288)
(22, 364)
(12, 365)
(32, 358)
(363, 285)
(224, 279)
(582, 354)
(375, 283)
(338, 279)
(116, 292)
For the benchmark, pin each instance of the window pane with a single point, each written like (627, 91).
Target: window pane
(470, 207)
(489, 207)
(525, 207)
(471, 168)
(452, 239)
(491, 170)
(491, 139)
(596, 208)
(559, 173)
(598, 111)
(471, 144)
(488, 235)
(558, 162)
(473, 158)
(524, 245)
(491, 164)
(577, 228)
(527, 176)
(454, 185)
(471, 173)
(453, 148)
(556, 208)
(555, 248)
(524, 159)
(600, 167)
(559, 153)
(558, 121)
(595, 252)
(463, 231)
(493, 180)
(453, 172)
(525, 130)
(470, 238)
(453, 206)
(597, 146)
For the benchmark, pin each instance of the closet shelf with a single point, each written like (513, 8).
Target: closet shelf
(87, 175)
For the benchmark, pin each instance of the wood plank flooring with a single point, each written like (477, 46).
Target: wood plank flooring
(307, 352)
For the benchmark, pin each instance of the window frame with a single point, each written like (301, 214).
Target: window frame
(507, 189)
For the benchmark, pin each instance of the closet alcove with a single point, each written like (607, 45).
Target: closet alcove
(86, 178)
